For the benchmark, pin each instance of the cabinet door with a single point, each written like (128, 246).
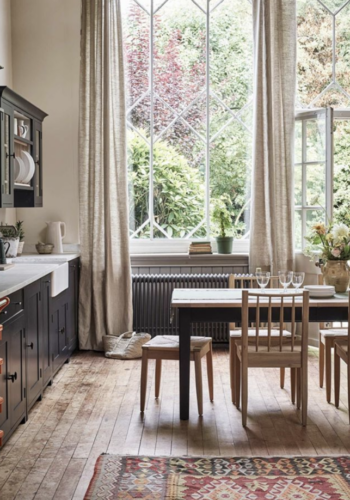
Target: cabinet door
(72, 326)
(5, 417)
(33, 342)
(38, 159)
(63, 323)
(46, 344)
(54, 334)
(6, 156)
(16, 369)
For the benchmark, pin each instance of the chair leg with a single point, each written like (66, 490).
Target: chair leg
(232, 368)
(328, 363)
(292, 384)
(158, 377)
(144, 372)
(298, 386)
(321, 359)
(237, 382)
(336, 378)
(303, 384)
(210, 373)
(282, 377)
(244, 396)
(199, 387)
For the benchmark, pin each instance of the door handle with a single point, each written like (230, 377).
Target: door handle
(17, 303)
(12, 377)
(62, 330)
(31, 345)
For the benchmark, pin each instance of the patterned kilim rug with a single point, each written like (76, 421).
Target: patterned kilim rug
(174, 478)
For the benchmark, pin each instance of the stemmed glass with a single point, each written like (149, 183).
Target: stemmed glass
(285, 278)
(298, 279)
(263, 279)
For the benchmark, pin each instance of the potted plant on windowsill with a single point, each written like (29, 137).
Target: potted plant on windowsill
(223, 225)
(331, 245)
(20, 232)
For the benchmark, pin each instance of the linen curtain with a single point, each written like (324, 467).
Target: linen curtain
(271, 236)
(105, 305)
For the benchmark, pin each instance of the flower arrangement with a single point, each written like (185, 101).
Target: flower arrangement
(330, 242)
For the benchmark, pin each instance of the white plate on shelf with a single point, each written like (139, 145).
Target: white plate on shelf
(20, 169)
(29, 167)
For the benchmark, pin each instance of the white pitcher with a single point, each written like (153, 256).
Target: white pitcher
(56, 231)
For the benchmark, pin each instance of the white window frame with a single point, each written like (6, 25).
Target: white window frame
(168, 244)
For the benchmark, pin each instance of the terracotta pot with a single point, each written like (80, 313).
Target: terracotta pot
(336, 273)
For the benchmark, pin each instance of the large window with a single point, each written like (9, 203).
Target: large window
(322, 140)
(190, 79)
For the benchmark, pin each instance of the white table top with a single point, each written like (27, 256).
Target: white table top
(232, 297)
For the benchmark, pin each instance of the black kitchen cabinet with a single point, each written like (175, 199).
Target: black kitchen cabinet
(40, 333)
(45, 284)
(12, 379)
(20, 136)
(34, 335)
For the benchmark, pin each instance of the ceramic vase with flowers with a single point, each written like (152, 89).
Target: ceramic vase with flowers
(331, 244)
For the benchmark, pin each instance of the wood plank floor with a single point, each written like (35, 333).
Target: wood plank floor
(93, 407)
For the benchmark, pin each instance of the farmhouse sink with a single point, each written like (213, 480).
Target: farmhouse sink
(59, 279)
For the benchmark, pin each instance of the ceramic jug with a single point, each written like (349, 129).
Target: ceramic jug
(56, 231)
(3, 252)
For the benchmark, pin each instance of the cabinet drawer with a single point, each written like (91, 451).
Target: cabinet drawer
(15, 306)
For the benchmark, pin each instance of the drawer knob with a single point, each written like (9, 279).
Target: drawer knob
(31, 345)
(17, 303)
(12, 377)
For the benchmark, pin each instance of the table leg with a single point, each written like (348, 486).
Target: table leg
(184, 354)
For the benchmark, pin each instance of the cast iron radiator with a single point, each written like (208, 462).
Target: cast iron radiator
(152, 297)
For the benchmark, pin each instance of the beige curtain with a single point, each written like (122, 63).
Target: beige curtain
(105, 284)
(271, 240)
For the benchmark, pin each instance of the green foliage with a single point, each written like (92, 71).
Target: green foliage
(178, 189)
(10, 232)
(20, 231)
(221, 216)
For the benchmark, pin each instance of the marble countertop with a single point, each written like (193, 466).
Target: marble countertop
(35, 258)
(21, 275)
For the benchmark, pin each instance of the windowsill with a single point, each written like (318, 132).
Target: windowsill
(184, 259)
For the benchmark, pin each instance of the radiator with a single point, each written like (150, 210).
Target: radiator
(152, 298)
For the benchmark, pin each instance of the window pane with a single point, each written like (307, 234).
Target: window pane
(315, 139)
(298, 151)
(230, 167)
(231, 52)
(342, 48)
(341, 183)
(297, 230)
(315, 184)
(313, 217)
(298, 200)
(314, 64)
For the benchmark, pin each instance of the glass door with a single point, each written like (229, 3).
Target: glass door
(313, 196)
(7, 156)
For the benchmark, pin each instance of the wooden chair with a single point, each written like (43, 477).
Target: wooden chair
(341, 351)
(272, 352)
(327, 337)
(166, 347)
(242, 281)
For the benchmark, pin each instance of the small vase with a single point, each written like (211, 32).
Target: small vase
(224, 244)
(336, 273)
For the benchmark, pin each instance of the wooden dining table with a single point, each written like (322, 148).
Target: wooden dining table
(224, 305)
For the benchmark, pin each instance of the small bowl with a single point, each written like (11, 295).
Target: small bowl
(44, 249)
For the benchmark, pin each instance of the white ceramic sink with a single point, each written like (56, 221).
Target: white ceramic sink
(59, 279)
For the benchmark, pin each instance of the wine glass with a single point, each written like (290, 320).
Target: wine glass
(263, 279)
(285, 278)
(298, 279)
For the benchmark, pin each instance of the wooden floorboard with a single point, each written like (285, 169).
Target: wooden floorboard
(93, 407)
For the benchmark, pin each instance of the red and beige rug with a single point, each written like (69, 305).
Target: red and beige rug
(189, 478)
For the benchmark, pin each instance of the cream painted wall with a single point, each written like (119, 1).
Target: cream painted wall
(6, 215)
(45, 55)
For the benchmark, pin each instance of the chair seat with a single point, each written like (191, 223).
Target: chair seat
(273, 358)
(334, 332)
(171, 342)
(262, 333)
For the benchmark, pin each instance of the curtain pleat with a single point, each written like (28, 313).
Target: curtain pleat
(271, 235)
(105, 304)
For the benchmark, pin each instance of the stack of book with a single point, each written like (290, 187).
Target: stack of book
(200, 247)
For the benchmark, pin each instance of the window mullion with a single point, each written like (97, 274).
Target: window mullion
(207, 145)
(151, 182)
